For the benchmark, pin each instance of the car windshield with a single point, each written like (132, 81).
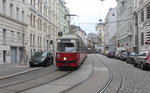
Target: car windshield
(40, 54)
(132, 54)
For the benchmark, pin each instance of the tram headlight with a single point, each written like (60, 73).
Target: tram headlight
(65, 58)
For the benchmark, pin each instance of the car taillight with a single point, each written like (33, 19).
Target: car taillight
(147, 58)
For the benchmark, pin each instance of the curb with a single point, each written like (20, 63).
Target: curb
(7, 76)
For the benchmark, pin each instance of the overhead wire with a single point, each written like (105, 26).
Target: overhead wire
(108, 22)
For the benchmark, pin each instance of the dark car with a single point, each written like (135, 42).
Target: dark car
(124, 56)
(142, 59)
(130, 58)
(41, 59)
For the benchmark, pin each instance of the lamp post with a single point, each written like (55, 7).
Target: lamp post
(69, 20)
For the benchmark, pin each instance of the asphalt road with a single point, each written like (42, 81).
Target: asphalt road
(91, 77)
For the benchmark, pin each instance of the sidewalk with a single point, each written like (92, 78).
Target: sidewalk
(11, 69)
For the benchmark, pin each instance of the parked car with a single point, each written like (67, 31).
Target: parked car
(41, 59)
(123, 56)
(130, 58)
(111, 54)
(118, 52)
(142, 59)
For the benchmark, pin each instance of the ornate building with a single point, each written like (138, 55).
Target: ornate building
(13, 26)
(125, 24)
(142, 10)
(28, 26)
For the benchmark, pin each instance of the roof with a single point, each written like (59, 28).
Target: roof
(68, 37)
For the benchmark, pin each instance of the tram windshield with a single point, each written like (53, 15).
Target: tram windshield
(66, 47)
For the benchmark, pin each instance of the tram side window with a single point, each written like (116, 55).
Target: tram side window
(78, 46)
(81, 46)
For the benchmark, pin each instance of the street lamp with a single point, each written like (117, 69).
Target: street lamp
(69, 20)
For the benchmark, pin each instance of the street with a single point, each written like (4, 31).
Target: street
(98, 74)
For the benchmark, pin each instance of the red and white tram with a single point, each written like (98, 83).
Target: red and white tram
(71, 51)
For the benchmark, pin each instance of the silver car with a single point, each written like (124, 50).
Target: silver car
(142, 59)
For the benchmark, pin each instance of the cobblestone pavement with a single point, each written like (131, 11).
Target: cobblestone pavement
(134, 80)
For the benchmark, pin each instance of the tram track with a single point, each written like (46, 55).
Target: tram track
(111, 77)
(42, 79)
(82, 81)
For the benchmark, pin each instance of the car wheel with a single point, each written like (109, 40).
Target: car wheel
(31, 65)
(127, 61)
(51, 61)
(134, 64)
(45, 64)
(142, 66)
(132, 61)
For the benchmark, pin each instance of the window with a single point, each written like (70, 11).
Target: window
(17, 13)
(32, 20)
(4, 36)
(38, 41)
(142, 38)
(148, 12)
(19, 37)
(33, 40)
(23, 1)
(22, 16)
(49, 15)
(11, 10)
(45, 10)
(30, 39)
(66, 47)
(12, 35)
(142, 16)
(33, 3)
(39, 24)
(49, 29)
(4, 6)
(39, 6)
(44, 42)
(45, 27)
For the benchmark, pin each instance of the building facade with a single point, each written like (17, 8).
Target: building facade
(110, 29)
(28, 26)
(100, 32)
(46, 19)
(12, 30)
(125, 24)
(142, 9)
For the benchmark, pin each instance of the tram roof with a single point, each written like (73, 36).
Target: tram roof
(69, 37)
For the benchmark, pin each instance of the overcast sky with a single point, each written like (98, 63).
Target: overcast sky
(89, 12)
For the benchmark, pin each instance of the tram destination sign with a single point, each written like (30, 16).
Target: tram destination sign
(65, 40)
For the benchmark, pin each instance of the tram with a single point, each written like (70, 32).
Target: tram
(71, 51)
